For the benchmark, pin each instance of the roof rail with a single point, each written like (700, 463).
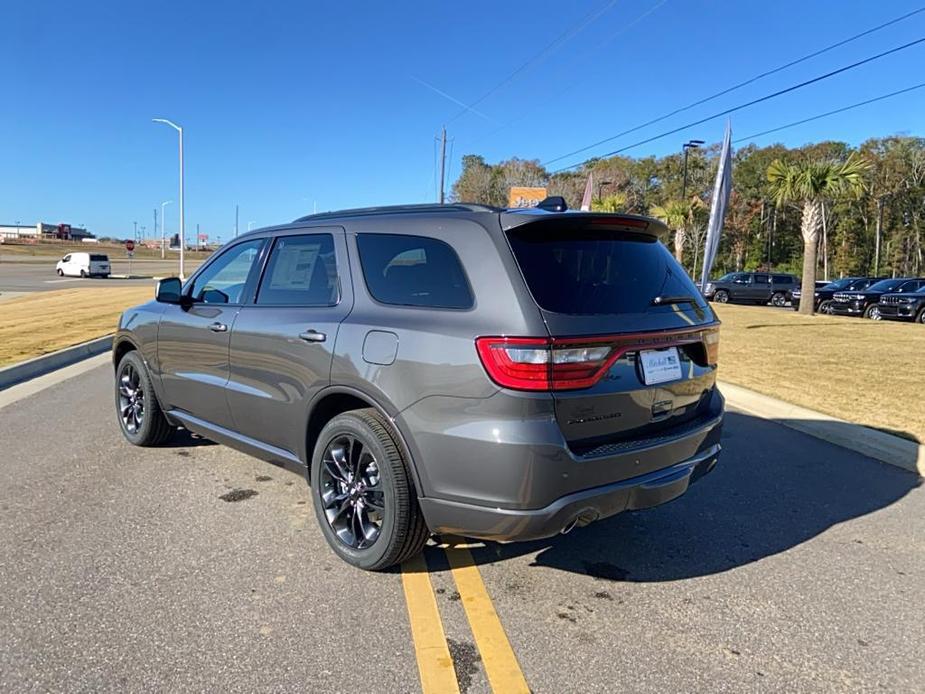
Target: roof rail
(399, 209)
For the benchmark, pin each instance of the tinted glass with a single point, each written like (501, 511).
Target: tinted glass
(583, 272)
(222, 282)
(843, 283)
(885, 285)
(762, 279)
(99, 258)
(413, 271)
(909, 286)
(301, 271)
(782, 279)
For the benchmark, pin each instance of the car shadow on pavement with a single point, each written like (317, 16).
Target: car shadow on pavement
(183, 438)
(774, 489)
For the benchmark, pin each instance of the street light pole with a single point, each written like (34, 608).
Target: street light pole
(164, 228)
(687, 146)
(182, 209)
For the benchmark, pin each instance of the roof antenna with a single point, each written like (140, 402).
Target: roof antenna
(553, 203)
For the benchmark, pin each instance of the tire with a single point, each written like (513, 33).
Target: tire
(145, 425)
(825, 307)
(60, 272)
(83, 274)
(921, 317)
(873, 312)
(721, 296)
(779, 299)
(369, 481)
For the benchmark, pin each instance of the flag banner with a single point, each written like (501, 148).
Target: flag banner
(589, 191)
(721, 192)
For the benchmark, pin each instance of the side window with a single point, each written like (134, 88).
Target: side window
(762, 279)
(222, 282)
(783, 279)
(413, 271)
(301, 271)
(66, 259)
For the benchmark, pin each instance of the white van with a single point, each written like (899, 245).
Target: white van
(83, 265)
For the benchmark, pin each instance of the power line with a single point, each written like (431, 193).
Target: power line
(751, 80)
(832, 113)
(560, 39)
(727, 111)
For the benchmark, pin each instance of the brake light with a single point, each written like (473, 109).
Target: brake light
(526, 363)
(572, 363)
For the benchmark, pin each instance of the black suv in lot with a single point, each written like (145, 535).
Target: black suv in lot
(826, 293)
(905, 307)
(439, 369)
(752, 288)
(866, 302)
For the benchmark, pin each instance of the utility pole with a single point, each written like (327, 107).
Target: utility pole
(236, 221)
(442, 162)
(155, 223)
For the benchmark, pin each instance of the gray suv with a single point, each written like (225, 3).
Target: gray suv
(503, 375)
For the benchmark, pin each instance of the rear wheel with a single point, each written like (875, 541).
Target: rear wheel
(363, 494)
(779, 299)
(721, 296)
(83, 273)
(140, 416)
(872, 312)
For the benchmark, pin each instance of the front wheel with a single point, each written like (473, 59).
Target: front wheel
(140, 416)
(921, 317)
(363, 494)
(825, 307)
(60, 272)
(779, 299)
(721, 296)
(872, 312)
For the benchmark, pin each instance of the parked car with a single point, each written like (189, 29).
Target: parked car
(906, 307)
(752, 287)
(825, 293)
(83, 265)
(865, 302)
(456, 368)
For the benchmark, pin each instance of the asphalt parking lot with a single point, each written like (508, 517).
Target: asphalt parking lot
(38, 276)
(795, 566)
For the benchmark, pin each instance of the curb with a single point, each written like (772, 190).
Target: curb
(886, 448)
(38, 366)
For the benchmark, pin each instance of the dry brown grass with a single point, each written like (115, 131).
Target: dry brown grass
(43, 322)
(864, 371)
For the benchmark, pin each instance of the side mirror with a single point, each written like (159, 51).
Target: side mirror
(169, 290)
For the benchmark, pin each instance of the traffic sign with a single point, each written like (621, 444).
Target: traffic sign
(130, 246)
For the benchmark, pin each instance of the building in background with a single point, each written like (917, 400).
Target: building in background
(525, 196)
(43, 231)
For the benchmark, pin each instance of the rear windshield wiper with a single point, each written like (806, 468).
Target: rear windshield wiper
(664, 300)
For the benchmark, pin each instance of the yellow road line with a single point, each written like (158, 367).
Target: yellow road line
(501, 666)
(434, 662)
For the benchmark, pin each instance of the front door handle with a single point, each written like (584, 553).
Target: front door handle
(218, 328)
(313, 336)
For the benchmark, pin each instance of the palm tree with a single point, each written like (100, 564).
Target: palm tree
(679, 215)
(809, 184)
(615, 202)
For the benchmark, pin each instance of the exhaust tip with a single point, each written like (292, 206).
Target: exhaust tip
(568, 527)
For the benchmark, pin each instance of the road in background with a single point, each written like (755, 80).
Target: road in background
(795, 566)
(37, 276)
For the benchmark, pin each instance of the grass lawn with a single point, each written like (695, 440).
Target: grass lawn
(43, 322)
(869, 372)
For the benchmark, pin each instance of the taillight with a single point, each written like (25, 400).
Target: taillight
(527, 363)
(571, 363)
(711, 345)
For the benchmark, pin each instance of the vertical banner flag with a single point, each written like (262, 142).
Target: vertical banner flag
(721, 192)
(589, 191)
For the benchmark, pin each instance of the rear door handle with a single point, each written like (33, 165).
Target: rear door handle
(218, 328)
(313, 336)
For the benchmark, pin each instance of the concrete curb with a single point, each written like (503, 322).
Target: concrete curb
(31, 368)
(881, 446)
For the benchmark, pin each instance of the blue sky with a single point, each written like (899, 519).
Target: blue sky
(285, 104)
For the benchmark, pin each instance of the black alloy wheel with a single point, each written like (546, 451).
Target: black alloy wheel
(351, 492)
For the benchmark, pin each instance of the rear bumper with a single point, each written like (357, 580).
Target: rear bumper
(530, 491)
(573, 510)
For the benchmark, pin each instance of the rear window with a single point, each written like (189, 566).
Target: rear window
(99, 258)
(583, 272)
(413, 271)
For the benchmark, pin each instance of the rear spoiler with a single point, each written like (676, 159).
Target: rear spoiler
(511, 219)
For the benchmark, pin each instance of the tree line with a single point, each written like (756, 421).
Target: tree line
(858, 210)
